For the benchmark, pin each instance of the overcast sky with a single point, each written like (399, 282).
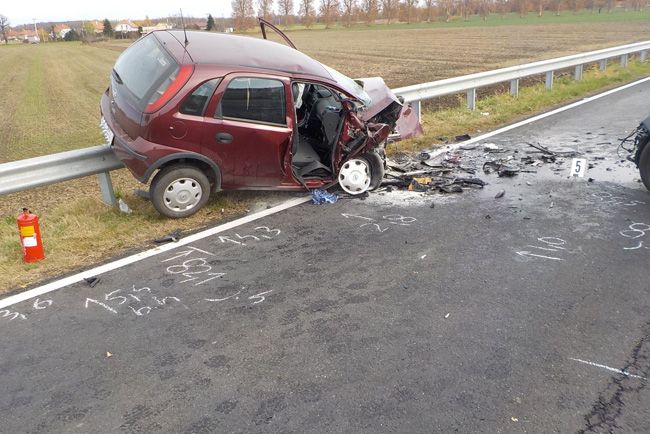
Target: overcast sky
(22, 12)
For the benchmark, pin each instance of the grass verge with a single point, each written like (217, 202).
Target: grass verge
(499, 109)
(85, 232)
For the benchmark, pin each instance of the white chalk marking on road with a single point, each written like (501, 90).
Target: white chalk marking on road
(535, 118)
(58, 284)
(609, 368)
(527, 253)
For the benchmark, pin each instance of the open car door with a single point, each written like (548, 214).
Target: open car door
(264, 24)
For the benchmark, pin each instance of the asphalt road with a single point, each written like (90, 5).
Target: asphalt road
(371, 316)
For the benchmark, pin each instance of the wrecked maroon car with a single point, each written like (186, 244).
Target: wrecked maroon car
(203, 112)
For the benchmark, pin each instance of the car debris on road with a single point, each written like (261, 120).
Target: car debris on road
(455, 171)
(320, 196)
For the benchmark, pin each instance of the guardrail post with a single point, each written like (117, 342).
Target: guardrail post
(471, 99)
(602, 64)
(578, 73)
(106, 187)
(643, 56)
(624, 59)
(416, 106)
(549, 80)
(514, 87)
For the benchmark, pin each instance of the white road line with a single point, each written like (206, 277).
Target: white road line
(609, 368)
(58, 284)
(536, 118)
(52, 286)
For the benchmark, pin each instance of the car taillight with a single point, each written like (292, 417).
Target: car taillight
(183, 75)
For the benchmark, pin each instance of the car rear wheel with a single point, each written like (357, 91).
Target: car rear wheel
(179, 191)
(644, 166)
(359, 175)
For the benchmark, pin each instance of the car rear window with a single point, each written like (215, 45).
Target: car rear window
(146, 70)
(254, 99)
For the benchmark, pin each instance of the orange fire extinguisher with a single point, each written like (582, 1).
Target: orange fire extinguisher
(30, 236)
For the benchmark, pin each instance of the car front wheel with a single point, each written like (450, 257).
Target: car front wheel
(361, 174)
(179, 191)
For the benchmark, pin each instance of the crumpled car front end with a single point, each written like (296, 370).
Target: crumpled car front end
(388, 108)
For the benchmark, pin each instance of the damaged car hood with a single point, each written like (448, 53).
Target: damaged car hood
(408, 122)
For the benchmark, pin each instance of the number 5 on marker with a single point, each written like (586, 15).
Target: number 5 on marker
(578, 167)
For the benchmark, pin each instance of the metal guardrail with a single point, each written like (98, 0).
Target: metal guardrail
(99, 160)
(469, 83)
(49, 169)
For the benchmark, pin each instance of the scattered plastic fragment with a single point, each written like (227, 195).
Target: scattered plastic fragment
(447, 315)
(172, 236)
(123, 206)
(514, 419)
(500, 194)
(491, 147)
(109, 354)
(92, 281)
(321, 196)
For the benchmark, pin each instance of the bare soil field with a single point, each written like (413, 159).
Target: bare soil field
(410, 56)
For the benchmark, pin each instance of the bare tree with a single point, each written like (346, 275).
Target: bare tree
(306, 12)
(285, 8)
(463, 7)
(328, 11)
(242, 14)
(555, 6)
(446, 7)
(428, 7)
(574, 5)
(388, 9)
(349, 7)
(369, 10)
(264, 9)
(409, 7)
(484, 8)
(522, 7)
(4, 26)
(540, 5)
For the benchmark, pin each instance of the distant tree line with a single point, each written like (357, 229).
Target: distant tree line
(349, 12)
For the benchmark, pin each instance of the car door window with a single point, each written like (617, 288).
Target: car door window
(254, 99)
(196, 102)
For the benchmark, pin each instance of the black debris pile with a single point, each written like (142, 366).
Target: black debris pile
(457, 170)
(513, 164)
(449, 173)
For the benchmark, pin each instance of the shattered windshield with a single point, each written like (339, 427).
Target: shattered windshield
(350, 85)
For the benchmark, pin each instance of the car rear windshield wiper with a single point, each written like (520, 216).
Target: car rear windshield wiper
(117, 77)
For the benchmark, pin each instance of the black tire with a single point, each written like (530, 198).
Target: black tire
(179, 191)
(377, 170)
(644, 166)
